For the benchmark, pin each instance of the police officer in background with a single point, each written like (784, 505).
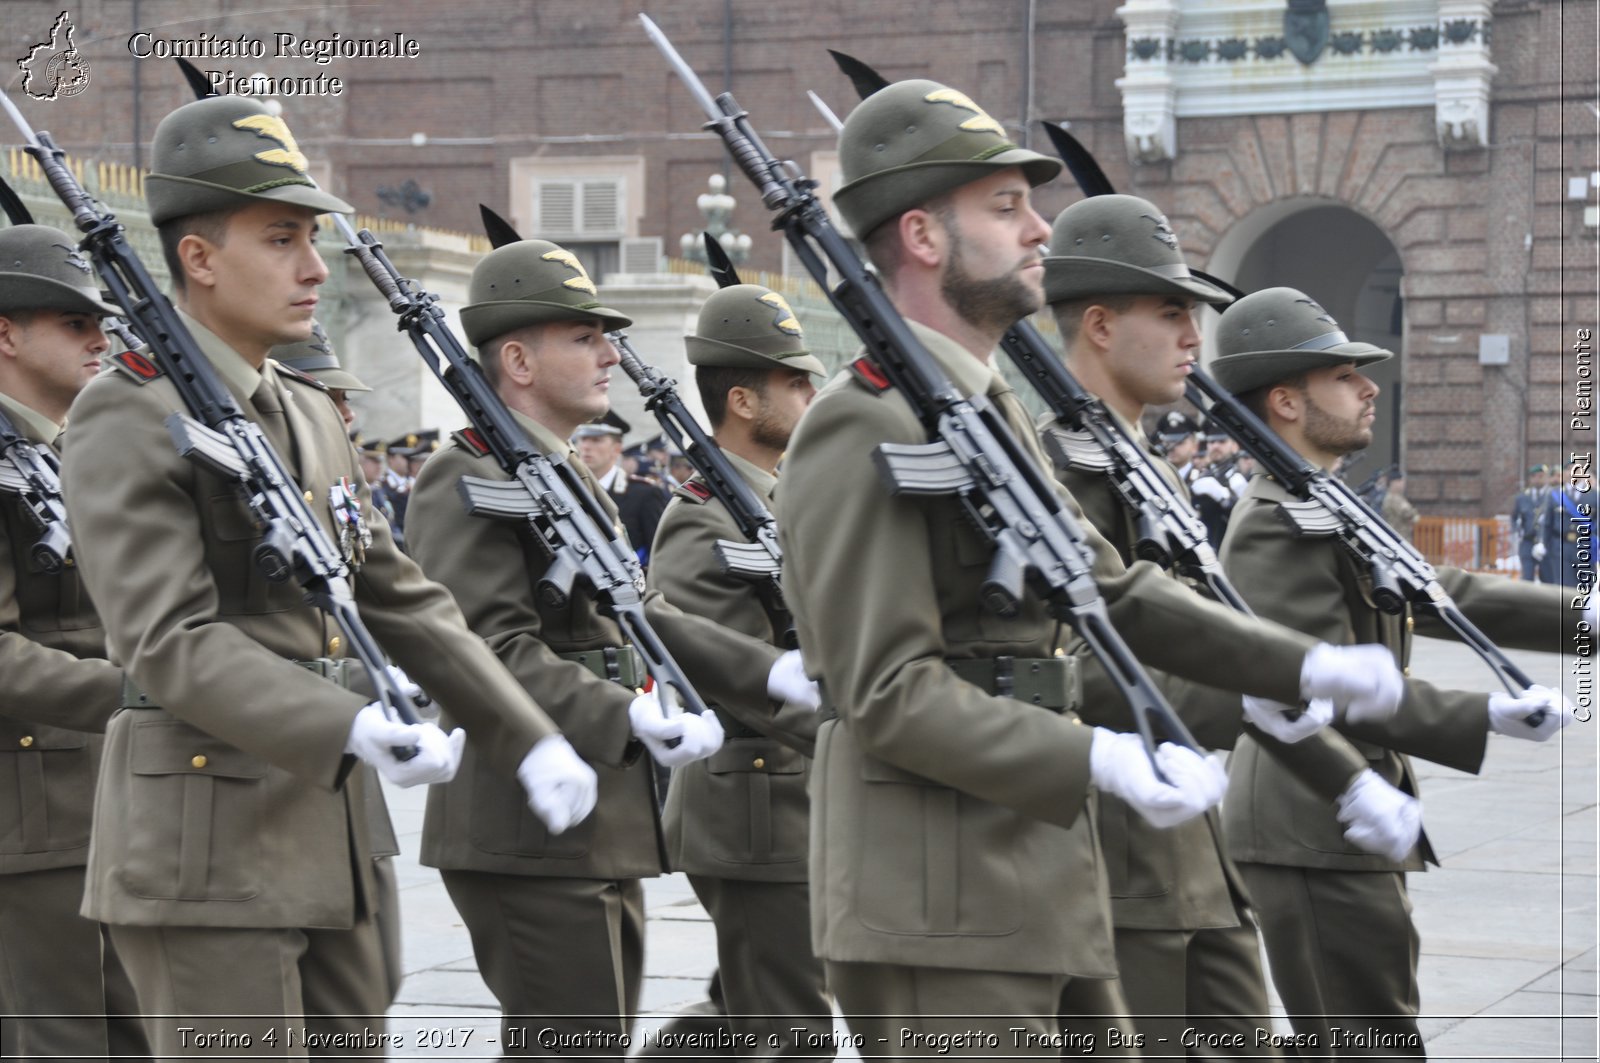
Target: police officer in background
(1570, 525)
(639, 501)
(737, 822)
(1530, 518)
(956, 882)
(1178, 439)
(557, 921)
(235, 826)
(59, 968)
(1218, 485)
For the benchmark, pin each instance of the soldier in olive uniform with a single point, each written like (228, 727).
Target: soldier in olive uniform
(315, 358)
(235, 827)
(1185, 937)
(557, 923)
(956, 883)
(737, 821)
(1334, 912)
(59, 689)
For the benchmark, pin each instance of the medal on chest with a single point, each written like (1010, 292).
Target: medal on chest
(354, 535)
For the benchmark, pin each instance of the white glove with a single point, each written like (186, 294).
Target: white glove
(374, 738)
(1509, 715)
(1379, 818)
(1539, 551)
(561, 788)
(1363, 679)
(1118, 765)
(1271, 717)
(1211, 488)
(698, 736)
(788, 682)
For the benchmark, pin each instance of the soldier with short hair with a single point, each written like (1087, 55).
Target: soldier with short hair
(1335, 915)
(737, 822)
(63, 990)
(557, 923)
(236, 829)
(957, 887)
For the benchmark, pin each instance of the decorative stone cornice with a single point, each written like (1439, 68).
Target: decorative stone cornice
(1221, 57)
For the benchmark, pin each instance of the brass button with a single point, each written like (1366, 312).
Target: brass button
(759, 762)
(27, 740)
(1077, 722)
(310, 498)
(1411, 623)
(198, 760)
(334, 644)
(1406, 671)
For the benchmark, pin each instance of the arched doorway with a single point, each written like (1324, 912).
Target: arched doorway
(1346, 263)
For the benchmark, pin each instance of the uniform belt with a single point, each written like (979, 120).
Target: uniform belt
(1049, 682)
(342, 672)
(619, 664)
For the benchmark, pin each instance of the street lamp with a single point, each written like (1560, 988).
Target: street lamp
(717, 208)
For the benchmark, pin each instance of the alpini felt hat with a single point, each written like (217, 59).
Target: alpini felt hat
(315, 358)
(746, 326)
(913, 141)
(41, 269)
(227, 151)
(1278, 333)
(1118, 245)
(528, 283)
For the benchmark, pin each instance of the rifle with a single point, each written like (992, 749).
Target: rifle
(32, 474)
(215, 434)
(759, 559)
(971, 453)
(544, 492)
(1169, 533)
(1326, 506)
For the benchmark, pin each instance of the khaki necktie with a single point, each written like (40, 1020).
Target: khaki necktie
(269, 414)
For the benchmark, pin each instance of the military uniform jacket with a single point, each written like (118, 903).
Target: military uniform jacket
(742, 813)
(1313, 585)
(946, 822)
(234, 803)
(480, 821)
(1179, 878)
(58, 686)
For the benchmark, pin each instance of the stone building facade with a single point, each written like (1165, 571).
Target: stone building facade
(1426, 173)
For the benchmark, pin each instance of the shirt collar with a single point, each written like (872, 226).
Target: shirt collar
(30, 422)
(240, 376)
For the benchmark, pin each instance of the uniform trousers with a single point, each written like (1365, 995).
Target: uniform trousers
(563, 956)
(936, 1013)
(248, 992)
(62, 969)
(1343, 952)
(1210, 980)
(771, 981)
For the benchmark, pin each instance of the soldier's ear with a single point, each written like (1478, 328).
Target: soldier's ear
(923, 238)
(195, 256)
(10, 338)
(516, 362)
(1286, 402)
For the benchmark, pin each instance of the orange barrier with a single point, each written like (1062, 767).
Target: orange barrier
(1474, 543)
